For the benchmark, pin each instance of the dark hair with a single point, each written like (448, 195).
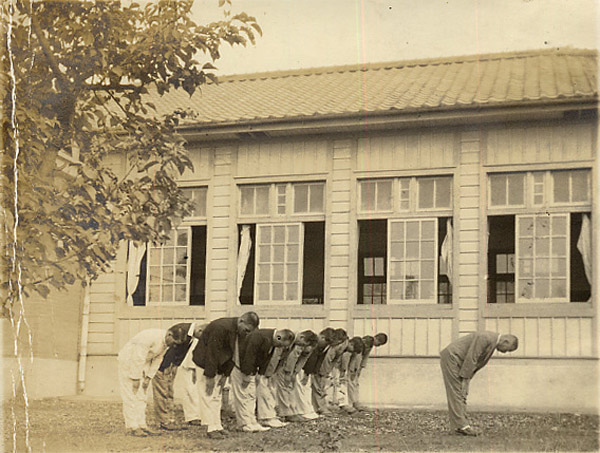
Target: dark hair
(339, 335)
(179, 332)
(327, 333)
(368, 341)
(251, 318)
(357, 345)
(286, 335)
(309, 337)
(382, 337)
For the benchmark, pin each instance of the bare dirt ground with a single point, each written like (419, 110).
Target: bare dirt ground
(68, 425)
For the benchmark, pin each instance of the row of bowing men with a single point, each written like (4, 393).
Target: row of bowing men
(274, 376)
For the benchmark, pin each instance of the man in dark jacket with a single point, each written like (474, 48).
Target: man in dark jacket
(257, 351)
(460, 360)
(214, 353)
(162, 382)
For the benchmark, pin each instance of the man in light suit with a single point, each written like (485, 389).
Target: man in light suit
(460, 360)
(138, 362)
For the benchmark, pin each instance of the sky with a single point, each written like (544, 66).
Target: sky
(314, 33)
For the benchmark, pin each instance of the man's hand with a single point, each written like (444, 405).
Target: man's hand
(305, 379)
(222, 381)
(146, 383)
(289, 380)
(210, 385)
(136, 385)
(246, 381)
(193, 375)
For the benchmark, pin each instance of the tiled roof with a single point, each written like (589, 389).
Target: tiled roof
(435, 84)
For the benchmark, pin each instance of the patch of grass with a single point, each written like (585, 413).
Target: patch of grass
(61, 425)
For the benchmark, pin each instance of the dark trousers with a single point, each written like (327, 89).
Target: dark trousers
(162, 393)
(457, 399)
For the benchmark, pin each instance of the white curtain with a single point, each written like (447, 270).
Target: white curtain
(446, 251)
(134, 259)
(243, 256)
(584, 245)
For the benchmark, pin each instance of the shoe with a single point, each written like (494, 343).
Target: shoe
(467, 431)
(349, 409)
(254, 428)
(138, 432)
(195, 422)
(360, 408)
(216, 434)
(150, 431)
(274, 423)
(324, 412)
(169, 427)
(294, 418)
(310, 416)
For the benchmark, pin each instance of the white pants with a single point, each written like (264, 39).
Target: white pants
(303, 395)
(265, 397)
(243, 399)
(134, 404)
(210, 405)
(191, 395)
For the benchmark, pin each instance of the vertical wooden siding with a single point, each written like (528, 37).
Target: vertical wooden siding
(547, 336)
(406, 151)
(408, 336)
(532, 144)
(281, 158)
(103, 303)
(468, 200)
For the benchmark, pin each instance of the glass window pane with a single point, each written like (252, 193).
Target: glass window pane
(559, 226)
(278, 272)
(168, 255)
(542, 267)
(263, 291)
(291, 291)
(300, 198)
(428, 229)
(579, 183)
(154, 258)
(425, 193)
(379, 267)
(181, 253)
(397, 251)
(292, 253)
(526, 288)
(262, 200)
(293, 232)
(525, 267)
(367, 196)
(412, 231)
(180, 295)
(265, 234)
(264, 253)
(369, 267)
(397, 231)
(155, 273)
(292, 273)
(427, 289)
(525, 226)
(168, 274)
(443, 192)
(559, 288)
(316, 198)
(412, 250)
(511, 263)
(501, 265)
(167, 293)
(397, 270)
(526, 247)
(542, 226)
(559, 247)
(516, 189)
(412, 290)
(182, 238)
(279, 234)
(247, 200)
(427, 269)
(181, 274)
(278, 253)
(561, 186)
(384, 195)
(397, 290)
(559, 267)
(412, 269)
(154, 293)
(367, 289)
(277, 291)
(427, 249)
(542, 247)
(542, 288)
(264, 272)
(498, 190)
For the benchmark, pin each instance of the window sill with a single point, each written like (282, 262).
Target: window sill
(270, 311)
(162, 312)
(538, 310)
(405, 310)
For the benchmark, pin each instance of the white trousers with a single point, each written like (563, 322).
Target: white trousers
(134, 404)
(191, 395)
(303, 395)
(243, 399)
(210, 405)
(266, 401)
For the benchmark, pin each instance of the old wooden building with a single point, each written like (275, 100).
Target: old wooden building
(426, 199)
